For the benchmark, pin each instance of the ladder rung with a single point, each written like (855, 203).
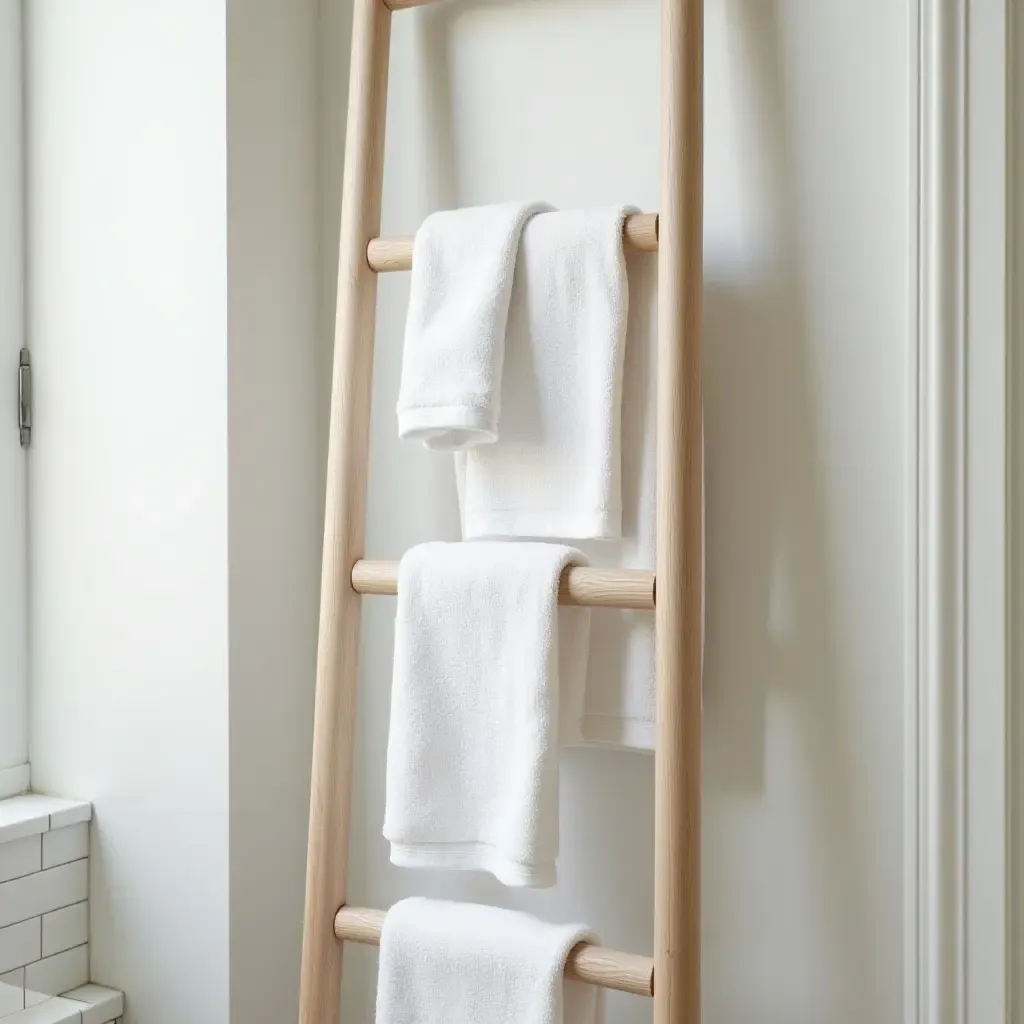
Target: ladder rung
(609, 968)
(583, 585)
(639, 231)
(401, 5)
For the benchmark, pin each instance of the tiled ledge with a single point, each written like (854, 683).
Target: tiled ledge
(90, 1004)
(31, 814)
(44, 915)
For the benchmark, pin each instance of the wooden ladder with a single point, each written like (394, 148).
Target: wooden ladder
(672, 976)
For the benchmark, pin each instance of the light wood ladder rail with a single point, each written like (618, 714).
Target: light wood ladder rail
(672, 976)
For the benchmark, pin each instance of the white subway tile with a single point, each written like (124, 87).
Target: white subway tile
(58, 974)
(33, 812)
(61, 845)
(20, 857)
(32, 998)
(52, 1011)
(19, 944)
(13, 781)
(65, 928)
(12, 991)
(103, 1005)
(22, 816)
(69, 812)
(44, 891)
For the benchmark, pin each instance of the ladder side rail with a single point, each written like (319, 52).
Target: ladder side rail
(345, 516)
(677, 804)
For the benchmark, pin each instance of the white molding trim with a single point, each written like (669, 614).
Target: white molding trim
(962, 942)
(14, 781)
(988, 537)
(935, 976)
(1015, 515)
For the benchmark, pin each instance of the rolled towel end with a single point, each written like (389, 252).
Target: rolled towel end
(448, 428)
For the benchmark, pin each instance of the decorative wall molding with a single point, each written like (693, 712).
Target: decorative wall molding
(935, 697)
(962, 660)
(988, 527)
(1015, 514)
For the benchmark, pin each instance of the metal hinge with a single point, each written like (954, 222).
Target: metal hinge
(25, 397)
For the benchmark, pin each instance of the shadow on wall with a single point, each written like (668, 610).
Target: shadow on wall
(771, 638)
(775, 676)
(436, 97)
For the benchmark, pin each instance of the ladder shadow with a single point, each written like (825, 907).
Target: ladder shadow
(433, 27)
(770, 584)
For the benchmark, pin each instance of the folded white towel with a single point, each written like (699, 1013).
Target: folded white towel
(555, 469)
(463, 963)
(463, 263)
(488, 682)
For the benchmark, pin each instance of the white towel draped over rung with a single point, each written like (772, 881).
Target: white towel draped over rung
(488, 685)
(463, 963)
(555, 468)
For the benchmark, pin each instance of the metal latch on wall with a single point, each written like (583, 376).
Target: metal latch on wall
(25, 397)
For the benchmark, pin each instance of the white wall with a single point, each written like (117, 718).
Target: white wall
(13, 629)
(808, 332)
(128, 480)
(174, 576)
(275, 509)
(176, 512)
(173, 306)
(174, 312)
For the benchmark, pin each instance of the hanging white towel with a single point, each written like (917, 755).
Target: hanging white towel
(462, 269)
(619, 707)
(463, 963)
(555, 468)
(488, 683)
(620, 693)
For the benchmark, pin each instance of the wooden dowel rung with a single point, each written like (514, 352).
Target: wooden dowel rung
(639, 231)
(580, 585)
(401, 5)
(609, 968)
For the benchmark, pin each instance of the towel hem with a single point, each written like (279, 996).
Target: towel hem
(448, 427)
(474, 857)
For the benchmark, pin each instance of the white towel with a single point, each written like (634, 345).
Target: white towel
(463, 263)
(620, 691)
(620, 698)
(488, 682)
(463, 963)
(555, 469)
